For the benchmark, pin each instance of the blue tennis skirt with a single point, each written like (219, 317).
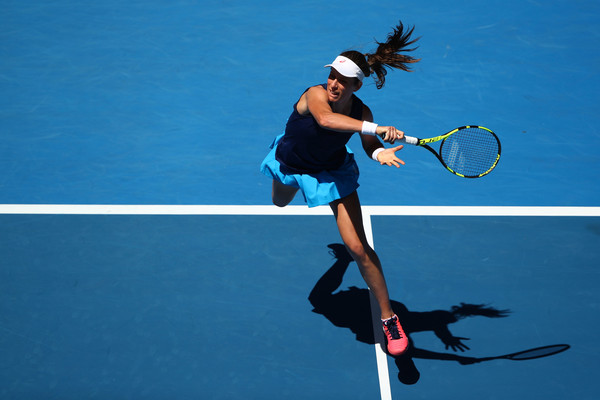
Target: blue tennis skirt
(318, 189)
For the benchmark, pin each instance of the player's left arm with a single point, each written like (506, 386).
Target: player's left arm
(371, 143)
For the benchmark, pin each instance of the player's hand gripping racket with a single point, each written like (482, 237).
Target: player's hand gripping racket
(469, 151)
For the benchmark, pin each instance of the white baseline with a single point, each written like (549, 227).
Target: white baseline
(144, 209)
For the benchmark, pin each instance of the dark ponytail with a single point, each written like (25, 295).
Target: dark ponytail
(387, 55)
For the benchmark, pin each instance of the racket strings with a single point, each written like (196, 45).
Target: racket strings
(471, 151)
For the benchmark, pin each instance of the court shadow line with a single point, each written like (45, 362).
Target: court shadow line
(350, 308)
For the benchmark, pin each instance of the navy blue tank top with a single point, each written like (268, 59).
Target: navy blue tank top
(307, 148)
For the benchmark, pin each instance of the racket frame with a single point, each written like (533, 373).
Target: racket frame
(425, 144)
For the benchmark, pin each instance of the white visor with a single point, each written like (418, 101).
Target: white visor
(346, 67)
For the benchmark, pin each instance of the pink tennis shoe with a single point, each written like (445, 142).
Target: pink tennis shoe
(397, 341)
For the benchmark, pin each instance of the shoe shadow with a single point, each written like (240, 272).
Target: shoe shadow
(351, 309)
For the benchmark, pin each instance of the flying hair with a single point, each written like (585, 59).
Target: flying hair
(389, 54)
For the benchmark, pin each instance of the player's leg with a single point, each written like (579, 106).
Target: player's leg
(348, 215)
(282, 194)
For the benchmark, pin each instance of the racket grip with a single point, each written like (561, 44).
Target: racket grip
(410, 140)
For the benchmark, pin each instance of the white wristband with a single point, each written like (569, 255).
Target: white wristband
(376, 153)
(369, 128)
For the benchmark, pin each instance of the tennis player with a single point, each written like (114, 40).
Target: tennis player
(311, 156)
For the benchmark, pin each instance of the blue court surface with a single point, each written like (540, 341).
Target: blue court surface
(140, 257)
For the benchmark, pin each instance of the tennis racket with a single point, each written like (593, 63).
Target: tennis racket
(469, 151)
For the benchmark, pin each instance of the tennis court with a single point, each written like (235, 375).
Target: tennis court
(140, 255)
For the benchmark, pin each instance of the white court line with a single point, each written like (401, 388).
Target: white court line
(383, 372)
(497, 211)
(130, 209)
(368, 212)
(116, 209)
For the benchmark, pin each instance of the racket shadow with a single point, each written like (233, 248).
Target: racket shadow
(350, 308)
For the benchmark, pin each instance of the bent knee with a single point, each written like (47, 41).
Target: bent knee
(280, 202)
(282, 195)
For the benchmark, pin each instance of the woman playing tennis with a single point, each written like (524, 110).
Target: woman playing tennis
(311, 156)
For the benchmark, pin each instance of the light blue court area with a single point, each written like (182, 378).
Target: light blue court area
(176, 102)
(234, 306)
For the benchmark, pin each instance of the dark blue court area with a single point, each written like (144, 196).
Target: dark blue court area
(171, 307)
(174, 103)
(233, 307)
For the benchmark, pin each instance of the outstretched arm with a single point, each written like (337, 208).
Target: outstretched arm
(315, 102)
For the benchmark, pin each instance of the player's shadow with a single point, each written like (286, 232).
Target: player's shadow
(351, 309)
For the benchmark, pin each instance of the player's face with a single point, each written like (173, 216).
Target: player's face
(340, 87)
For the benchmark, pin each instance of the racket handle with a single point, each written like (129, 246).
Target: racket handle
(410, 140)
